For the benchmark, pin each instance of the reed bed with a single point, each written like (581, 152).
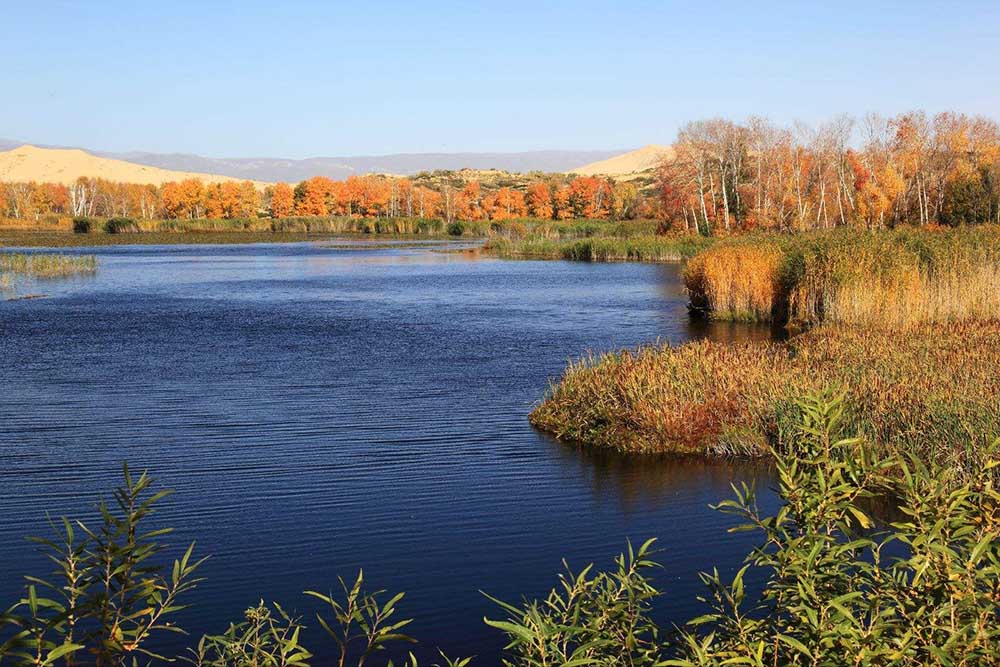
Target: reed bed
(735, 282)
(934, 391)
(897, 279)
(45, 266)
(601, 249)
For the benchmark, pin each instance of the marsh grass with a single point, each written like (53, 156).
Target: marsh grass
(735, 282)
(45, 266)
(897, 279)
(934, 390)
(600, 249)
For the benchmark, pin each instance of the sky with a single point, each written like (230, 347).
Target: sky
(300, 79)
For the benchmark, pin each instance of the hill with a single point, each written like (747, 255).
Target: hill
(283, 169)
(633, 162)
(65, 165)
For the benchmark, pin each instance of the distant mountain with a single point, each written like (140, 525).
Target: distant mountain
(280, 169)
(633, 162)
(65, 165)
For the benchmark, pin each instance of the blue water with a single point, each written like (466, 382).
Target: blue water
(321, 408)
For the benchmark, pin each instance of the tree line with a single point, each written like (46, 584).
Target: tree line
(879, 172)
(362, 196)
(720, 177)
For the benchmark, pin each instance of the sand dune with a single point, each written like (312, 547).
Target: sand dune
(29, 163)
(647, 157)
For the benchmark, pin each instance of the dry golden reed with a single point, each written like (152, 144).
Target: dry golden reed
(737, 282)
(897, 279)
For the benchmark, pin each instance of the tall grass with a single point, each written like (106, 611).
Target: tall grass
(735, 282)
(898, 278)
(934, 390)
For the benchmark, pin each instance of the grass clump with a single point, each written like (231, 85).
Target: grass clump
(934, 389)
(897, 279)
(46, 266)
(83, 225)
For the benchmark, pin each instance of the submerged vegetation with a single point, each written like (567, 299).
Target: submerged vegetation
(840, 586)
(46, 266)
(934, 390)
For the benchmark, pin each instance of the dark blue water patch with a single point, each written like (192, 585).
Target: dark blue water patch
(319, 409)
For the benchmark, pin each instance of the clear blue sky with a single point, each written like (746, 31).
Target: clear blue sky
(298, 79)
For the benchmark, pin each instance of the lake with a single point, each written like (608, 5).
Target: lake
(324, 407)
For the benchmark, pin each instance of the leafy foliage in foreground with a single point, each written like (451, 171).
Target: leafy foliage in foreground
(843, 585)
(841, 589)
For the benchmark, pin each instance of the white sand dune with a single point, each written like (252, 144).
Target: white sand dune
(30, 163)
(647, 157)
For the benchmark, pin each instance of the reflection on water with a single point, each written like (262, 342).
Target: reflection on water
(320, 409)
(671, 286)
(735, 332)
(637, 480)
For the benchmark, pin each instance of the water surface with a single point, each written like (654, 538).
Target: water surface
(323, 408)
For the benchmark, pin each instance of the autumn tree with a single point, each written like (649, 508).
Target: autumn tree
(314, 196)
(185, 199)
(282, 200)
(539, 200)
(561, 205)
(624, 200)
(507, 203)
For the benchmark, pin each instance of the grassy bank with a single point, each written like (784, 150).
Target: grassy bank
(934, 390)
(897, 278)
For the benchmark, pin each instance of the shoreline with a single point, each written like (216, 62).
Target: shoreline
(47, 239)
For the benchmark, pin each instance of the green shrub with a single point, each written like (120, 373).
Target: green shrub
(456, 228)
(108, 595)
(842, 586)
(82, 225)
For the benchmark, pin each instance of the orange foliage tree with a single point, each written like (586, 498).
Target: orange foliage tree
(282, 201)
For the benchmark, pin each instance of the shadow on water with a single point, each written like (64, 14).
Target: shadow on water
(697, 326)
